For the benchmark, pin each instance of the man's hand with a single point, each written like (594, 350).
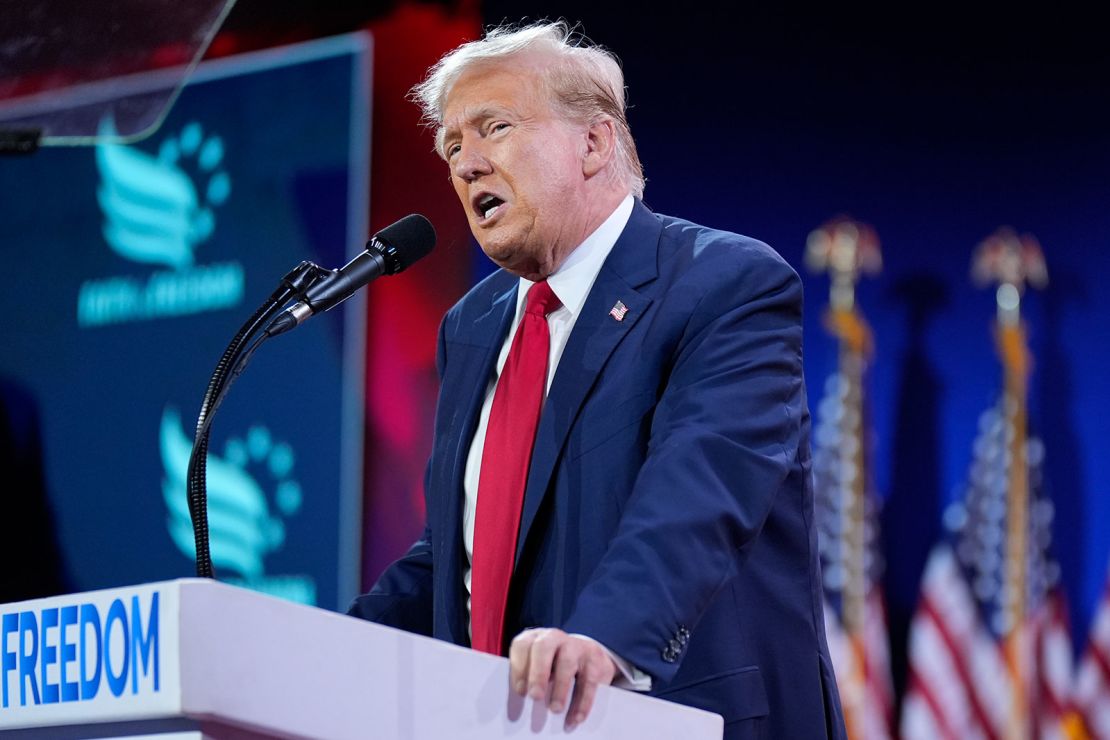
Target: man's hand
(543, 658)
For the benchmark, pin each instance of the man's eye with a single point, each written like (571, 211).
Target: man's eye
(498, 127)
(453, 150)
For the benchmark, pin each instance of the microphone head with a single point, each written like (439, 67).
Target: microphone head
(404, 242)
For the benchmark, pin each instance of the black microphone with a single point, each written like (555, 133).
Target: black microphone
(388, 252)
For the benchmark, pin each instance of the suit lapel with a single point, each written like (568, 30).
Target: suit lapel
(478, 359)
(631, 264)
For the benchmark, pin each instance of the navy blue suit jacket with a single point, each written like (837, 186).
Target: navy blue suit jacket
(669, 510)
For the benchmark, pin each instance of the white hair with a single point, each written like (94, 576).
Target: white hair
(586, 83)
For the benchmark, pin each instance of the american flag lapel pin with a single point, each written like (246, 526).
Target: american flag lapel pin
(618, 311)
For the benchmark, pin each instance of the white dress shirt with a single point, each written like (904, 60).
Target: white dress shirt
(571, 283)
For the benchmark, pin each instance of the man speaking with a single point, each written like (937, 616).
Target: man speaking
(619, 486)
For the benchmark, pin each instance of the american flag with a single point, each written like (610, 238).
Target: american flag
(988, 660)
(845, 498)
(1092, 686)
(846, 504)
(990, 654)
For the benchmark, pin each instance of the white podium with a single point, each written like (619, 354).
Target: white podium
(199, 659)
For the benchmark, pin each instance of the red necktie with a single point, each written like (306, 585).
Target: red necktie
(510, 436)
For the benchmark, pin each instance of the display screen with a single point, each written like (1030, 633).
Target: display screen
(130, 269)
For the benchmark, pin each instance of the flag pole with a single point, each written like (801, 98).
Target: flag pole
(1011, 262)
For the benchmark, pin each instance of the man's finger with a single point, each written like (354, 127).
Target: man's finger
(598, 670)
(519, 651)
(567, 661)
(540, 659)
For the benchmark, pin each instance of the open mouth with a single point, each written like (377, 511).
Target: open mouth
(488, 206)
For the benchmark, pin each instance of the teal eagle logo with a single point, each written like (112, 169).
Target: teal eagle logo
(159, 208)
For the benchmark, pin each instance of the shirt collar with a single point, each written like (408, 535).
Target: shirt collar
(571, 283)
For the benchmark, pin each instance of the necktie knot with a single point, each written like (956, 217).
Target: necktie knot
(541, 299)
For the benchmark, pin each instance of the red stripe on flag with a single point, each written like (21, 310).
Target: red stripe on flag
(1101, 660)
(879, 669)
(1044, 690)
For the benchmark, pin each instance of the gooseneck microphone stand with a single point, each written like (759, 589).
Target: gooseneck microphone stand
(388, 252)
(228, 369)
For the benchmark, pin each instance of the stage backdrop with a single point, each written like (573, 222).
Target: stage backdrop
(133, 265)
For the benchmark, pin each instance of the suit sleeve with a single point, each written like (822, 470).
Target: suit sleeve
(402, 597)
(725, 433)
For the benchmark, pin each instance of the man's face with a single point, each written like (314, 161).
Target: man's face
(517, 167)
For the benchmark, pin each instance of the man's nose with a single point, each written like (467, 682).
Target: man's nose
(471, 162)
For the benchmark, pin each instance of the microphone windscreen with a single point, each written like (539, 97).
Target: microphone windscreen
(407, 241)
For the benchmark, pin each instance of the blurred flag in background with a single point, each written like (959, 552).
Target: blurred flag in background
(846, 502)
(990, 655)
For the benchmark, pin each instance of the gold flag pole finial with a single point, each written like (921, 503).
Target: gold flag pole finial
(845, 248)
(1011, 261)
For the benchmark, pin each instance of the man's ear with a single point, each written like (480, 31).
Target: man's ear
(601, 144)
